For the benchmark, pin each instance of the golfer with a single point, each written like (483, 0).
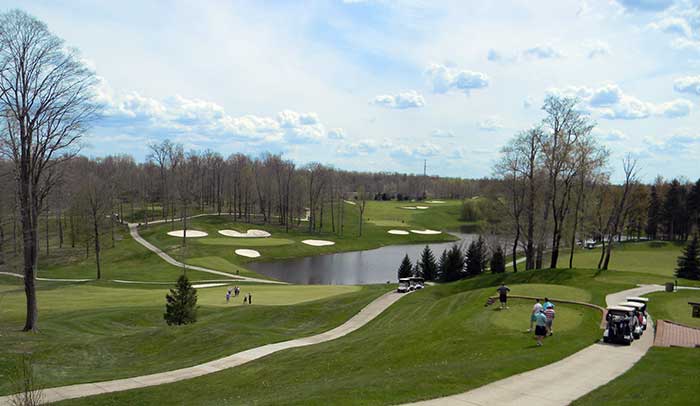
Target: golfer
(540, 328)
(535, 309)
(549, 313)
(503, 295)
(547, 303)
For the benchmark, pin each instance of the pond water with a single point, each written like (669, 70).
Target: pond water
(351, 268)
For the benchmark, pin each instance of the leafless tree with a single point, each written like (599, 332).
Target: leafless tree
(47, 104)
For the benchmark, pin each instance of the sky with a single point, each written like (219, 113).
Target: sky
(383, 85)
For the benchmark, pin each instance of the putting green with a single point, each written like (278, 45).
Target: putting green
(246, 242)
(517, 316)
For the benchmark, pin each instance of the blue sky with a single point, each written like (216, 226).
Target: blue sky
(382, 85)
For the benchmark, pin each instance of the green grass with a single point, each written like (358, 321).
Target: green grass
(91, 332)
(655, 258)
(438, 216)
(674, 306)
(664, 376)
(435, 342)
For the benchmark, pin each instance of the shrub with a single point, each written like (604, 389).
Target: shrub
(181, 303)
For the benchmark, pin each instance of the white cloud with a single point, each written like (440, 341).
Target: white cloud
(492, 123)
(444, 79)
(528, 102)
(688, 84)
(336, 134)
(401, 101)
(542, 52)
(685, 44)
(596, 49)
(673, 25)
(610, 135)
(197, 120)
(610, 102)
(438, 133)
(422, 151)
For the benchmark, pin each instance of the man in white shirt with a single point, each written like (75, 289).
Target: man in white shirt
(535, 309)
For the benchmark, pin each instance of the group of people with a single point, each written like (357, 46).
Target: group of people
(236, 291)
(542, 317)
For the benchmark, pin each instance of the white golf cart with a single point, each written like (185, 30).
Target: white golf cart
(619, 325)
(639, 318)
(404, 285)
(645, 302)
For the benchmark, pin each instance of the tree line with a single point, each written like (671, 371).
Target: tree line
(556, 193)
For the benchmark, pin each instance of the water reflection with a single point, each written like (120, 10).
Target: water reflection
(350, 268)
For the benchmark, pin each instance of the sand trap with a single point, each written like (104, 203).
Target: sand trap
(350, 202)
(208, 285)
(409, 207)
(318, 243)
(426, 232)
(398, 232)
(247, 253)
(435, 201)
(422, 207)
(190, 233)
(248, 234)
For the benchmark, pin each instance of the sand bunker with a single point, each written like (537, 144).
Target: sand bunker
(208, 285)
(350, 202)
(318, 243)
(434, 201)
(422, 207)
(426, 232)
(398, 232)
(409, 207)
(189, 234)
(248, 234)
(247, 253)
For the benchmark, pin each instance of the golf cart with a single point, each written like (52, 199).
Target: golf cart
(640, 320)
(416, 283)
(619, 325)
(404, 285)
(645, 302)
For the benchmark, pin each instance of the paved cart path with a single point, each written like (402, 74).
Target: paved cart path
(364, 316)
(575, 375)
(134, 231)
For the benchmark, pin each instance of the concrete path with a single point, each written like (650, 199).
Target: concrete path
(575, 375)
(16, 275)
(367, 314)
(134, 231)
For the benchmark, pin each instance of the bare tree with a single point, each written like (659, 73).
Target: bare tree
(46, 101)
(629, 166)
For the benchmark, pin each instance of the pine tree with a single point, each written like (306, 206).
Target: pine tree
(453, 265)
(406, 268)
(181, 303)
(476, 257)
(498, 260)
(428, 265)
(442, 265)
(689, 262)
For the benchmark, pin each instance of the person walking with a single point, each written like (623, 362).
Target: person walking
(549, 313)
(547, 303)
(503, 295)
(250, 298)
(228, 295)
(245, 299)
(236, 291)
(540, 327)
(535, 309)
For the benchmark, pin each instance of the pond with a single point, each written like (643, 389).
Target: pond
(351, 268)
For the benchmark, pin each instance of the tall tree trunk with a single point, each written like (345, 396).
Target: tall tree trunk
(515, 248)
(29, 207)
(47, 231)
(60, 227)
(96, 230)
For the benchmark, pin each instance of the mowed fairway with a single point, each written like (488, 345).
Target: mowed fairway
(95, 332)
(434, 342)
(655, 258)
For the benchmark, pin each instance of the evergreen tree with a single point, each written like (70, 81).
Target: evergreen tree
(442, 265)
(653, 213)
(689, 262)
(181, 303)
(476, 257)
(673, 210)
(406, 268)
(453, 268)
(498, 260)
(428, 265)
(694, 206)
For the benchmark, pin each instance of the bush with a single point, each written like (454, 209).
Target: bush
(181, 303)
(470, 211)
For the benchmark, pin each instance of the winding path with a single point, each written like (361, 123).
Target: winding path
(575, 375)
(134, 231)
(364, 316)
